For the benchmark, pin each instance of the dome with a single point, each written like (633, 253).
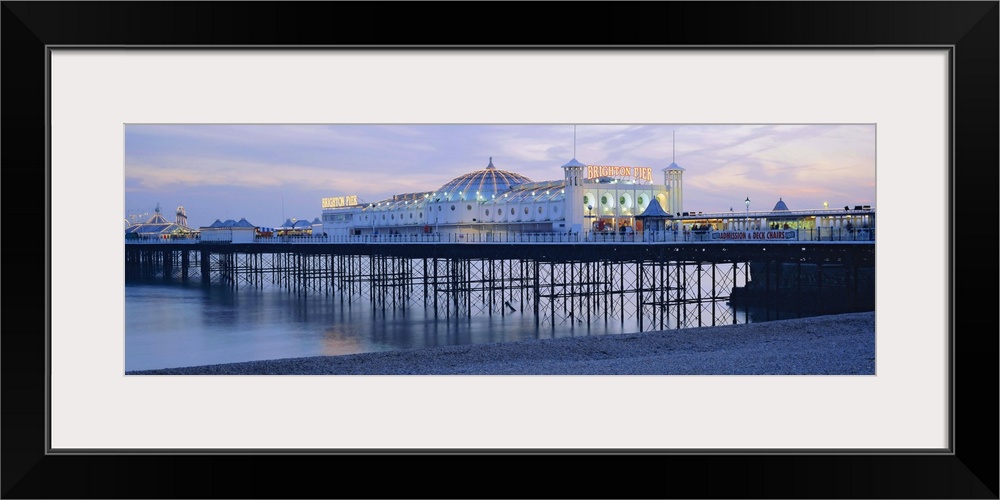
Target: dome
(487, 182)
(780, 206)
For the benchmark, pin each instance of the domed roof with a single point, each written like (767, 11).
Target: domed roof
(486, 182)
(780, 206)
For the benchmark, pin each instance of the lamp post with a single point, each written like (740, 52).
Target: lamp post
(748, 212)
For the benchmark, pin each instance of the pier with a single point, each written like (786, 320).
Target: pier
(657, 284)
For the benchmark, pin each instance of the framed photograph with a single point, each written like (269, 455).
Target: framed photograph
(922, 74)
(451, 252)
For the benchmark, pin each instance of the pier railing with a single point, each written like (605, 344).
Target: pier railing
(703, 236)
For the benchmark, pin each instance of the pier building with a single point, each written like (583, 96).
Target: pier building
(295, 227)
(588, 198)
(158, 227)
(241, 231)
(598, 203)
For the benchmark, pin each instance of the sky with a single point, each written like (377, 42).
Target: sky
(270, 173)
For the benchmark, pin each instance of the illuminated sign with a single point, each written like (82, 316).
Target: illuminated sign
(754, 235)
(640, 173)
(340, 201)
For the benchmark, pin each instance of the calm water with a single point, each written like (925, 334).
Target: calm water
(173, 325)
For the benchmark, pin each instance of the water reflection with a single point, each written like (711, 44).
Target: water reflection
(169, 325)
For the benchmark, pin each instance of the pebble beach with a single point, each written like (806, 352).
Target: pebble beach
(842, 344)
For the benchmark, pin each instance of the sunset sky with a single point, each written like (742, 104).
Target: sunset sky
(269, 173)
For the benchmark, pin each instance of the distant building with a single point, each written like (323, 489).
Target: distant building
(241, 231)
(296, 227)
(158, 227)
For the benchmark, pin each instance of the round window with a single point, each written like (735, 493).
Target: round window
(512, 211)
(411, 216)
(421, 215)
(642, 200)
(453, 208)
(604, 200)
(439, 208)
(487, 212)
(525, 210)
(393, 217)
(468, 207)
(621, 200)
(539, 209)
(555, 209)
(383, 216)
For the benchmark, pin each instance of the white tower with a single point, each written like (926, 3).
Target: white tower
(673, 180)
(574, 195)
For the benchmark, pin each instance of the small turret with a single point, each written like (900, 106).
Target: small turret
(181, 219)
(673, 180)
(574, 182)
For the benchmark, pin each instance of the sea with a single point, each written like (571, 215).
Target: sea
(168, 324)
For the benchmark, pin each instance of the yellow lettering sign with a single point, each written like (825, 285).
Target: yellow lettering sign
(640, 173)
(340, 201)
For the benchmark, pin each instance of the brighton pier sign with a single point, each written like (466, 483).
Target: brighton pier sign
(639, 173)
(340, 201)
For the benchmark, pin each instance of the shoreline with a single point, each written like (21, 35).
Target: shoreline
(840, 344)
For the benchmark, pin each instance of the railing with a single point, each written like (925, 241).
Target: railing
(697, 236)
(159, 241)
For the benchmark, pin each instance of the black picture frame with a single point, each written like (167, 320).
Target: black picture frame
(969, 28)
